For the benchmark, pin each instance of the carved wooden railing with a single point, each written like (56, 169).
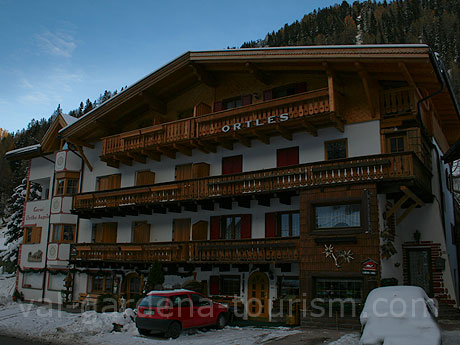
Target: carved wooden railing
(375, 168)
(395, 102)
(250, 250)
(298, 106)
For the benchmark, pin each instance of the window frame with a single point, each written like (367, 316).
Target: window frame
(391, 137)
(65, 177)
(104, 283)
(280, 284)
(223, 226)
(61, 233)
(31, 231)
(326, 152)
(338, 279)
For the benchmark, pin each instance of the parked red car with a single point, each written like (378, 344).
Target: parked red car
(170, 312)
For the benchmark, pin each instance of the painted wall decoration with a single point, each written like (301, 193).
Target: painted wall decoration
(35, 257)
(339, 258)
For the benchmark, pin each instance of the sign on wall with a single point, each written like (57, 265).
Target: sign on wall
(369, 267)
(256, 123)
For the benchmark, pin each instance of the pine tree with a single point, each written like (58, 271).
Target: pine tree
(88, 106)
(15, 230)
(155, 277)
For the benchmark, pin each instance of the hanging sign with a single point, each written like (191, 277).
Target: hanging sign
(369, 267)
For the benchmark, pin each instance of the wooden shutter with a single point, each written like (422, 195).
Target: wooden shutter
(293, 156)
(246, 226)
(300, 87)
(114, 181)
(141, 232)
(200, 231)
(214, 286)
(181, 230)
(268, 95)
(232, 165)
(102, 183)
(215, 228)
(36, 235)
(200, 170)
(109, 232)
(183, 172)
(281, 158)
(144, 178)
(287, 157)
(246, 99)
(270, 224)
(201, 109)
(97, 233)
(218, 106)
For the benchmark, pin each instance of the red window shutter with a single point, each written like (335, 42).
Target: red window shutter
(246, 99)
(268, 95)
(227, 165)
(300, 87)
(293, 156)
(214, 286)
(246, 226)
(270, 224)
(218, 106)
(281, 158)
(215, 228)
(237, 164)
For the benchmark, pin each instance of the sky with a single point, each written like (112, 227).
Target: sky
(63, 52)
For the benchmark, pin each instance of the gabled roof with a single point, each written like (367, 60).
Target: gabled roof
(199, 67)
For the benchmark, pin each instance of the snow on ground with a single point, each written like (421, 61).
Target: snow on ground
(59, 327)
(347, 339)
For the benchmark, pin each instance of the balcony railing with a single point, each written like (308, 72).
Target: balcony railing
(219, 251)
(397, 102)
(300, 108)
(377, 168)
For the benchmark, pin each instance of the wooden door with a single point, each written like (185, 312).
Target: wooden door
(141, 232)
(419, 265)
(133, 289)
(181, 230)
(258, 296)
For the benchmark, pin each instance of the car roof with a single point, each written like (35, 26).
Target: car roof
(169, 292)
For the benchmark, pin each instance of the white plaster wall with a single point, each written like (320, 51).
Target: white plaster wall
(41, 168)
(31, 294)
(63, 219)
(161, 224)
(73, 162)
(363, 139)
(33, 248)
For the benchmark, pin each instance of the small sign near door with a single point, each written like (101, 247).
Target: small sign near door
(369, 267)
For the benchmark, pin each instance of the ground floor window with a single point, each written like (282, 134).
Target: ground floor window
(102, 283)
(288, 286)
(56, 282)
(228, 285)
(32, 280)
(328, 289)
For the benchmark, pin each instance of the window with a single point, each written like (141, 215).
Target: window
(230, 285)
(200, 301)
(282, 224)
(56, 282)
(102, 283)
(230, 227)
(338, 288)
(67, 183)
(144, 178)
(63, 233)
(288, 286)
(180, 301)
(287, 157)
(232, 165)
(104, 233)
(233, 102)
(32, 280)
(32, 235)
(286, 90)
(108, 182)
(337, 216)
(336, 149)
(395, 144)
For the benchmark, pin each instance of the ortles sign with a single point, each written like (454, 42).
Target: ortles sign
(251, 123)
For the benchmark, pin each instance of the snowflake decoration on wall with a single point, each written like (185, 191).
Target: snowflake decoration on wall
(342, 255)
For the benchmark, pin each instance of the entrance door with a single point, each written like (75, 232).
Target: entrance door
(419, 264)
(258, 292)
(181, 230)
(133, 289)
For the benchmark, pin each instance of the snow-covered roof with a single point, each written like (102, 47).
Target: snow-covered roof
(69, 119)
(153, 292)
(23, 151)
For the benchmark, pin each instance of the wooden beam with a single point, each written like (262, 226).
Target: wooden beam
(225, 143)
(125, 160)
(262, 137)
(159, 209)
(367, 84)
(285, 199)
(263, 200)
(77, 142)
(411, 82)
(168, 153)
(244, 202)
(310, 128)
(285, 133)
(225, 203)
(208, 146)
(187, 151)
(338, 122)
(83, 156)
(207, 205)
(242, 139)
(396, 206)
(330, 84)
(406, 212)
(191, 207)
(151, 154)
(198, 146)
(257, 73)
(412, 195)
(137, 157)
(176, 208)
(203, 76)
(155, 104)
(111, 162)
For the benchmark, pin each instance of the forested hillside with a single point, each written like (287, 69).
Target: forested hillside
(434, 22)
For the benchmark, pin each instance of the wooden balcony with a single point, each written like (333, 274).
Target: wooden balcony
(403, 168)
(218, 251)
(306, 111)
(398, 102)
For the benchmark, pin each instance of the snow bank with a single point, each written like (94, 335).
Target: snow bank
(347, 339)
